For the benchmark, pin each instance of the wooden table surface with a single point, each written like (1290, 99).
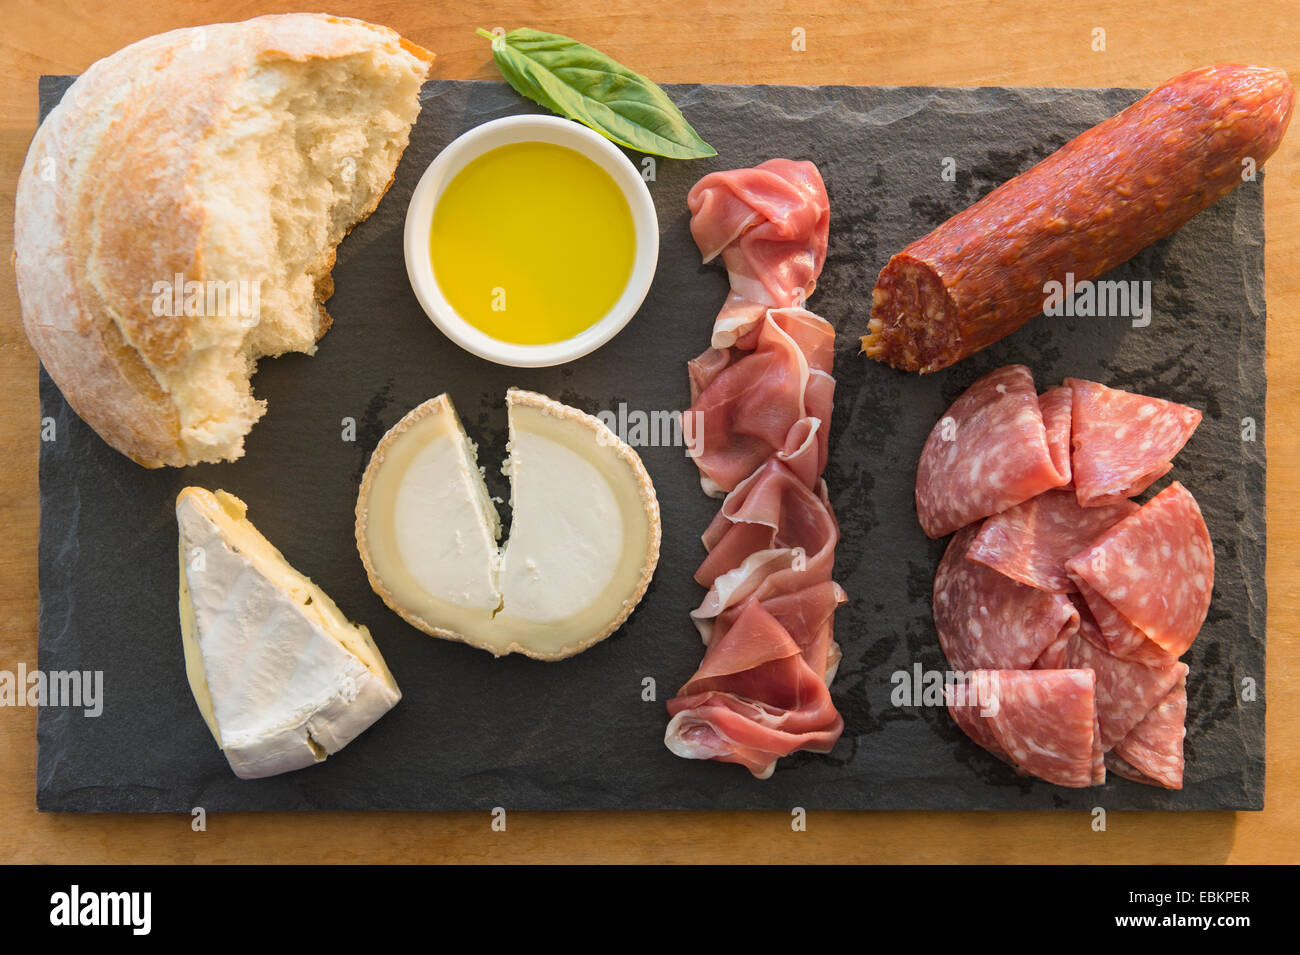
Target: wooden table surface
(739, 41)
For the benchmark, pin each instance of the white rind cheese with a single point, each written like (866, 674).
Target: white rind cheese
(584, 537)
(281, 677)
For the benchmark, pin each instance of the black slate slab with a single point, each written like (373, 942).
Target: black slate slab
(473, 732)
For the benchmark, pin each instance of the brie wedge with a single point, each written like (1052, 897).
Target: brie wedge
(281, 677)
(584, 535)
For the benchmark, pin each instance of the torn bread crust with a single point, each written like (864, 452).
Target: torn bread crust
(549, 408)
(215, 168)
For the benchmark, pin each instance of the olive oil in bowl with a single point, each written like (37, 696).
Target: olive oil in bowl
(532, 243)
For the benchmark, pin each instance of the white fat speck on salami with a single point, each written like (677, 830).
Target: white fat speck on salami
(1056, 408)
(1043, 722)
(986, 620)
(1126, 691)
(1156, 567)
(1031, 542)
(1122, 443)
(988, 452)
(1152, 752)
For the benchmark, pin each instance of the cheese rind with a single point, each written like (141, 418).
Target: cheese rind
(584, 537)
(281, 677)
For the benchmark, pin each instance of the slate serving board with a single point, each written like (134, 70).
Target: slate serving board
(473, 732)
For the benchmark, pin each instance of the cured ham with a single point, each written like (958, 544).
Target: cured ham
(757, 429)
(754, 699)
(770, 224)
(988, 453)
(1053, 571)
(773, 399)
(1123, 443)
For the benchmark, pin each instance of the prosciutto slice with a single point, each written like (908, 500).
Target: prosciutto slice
(754, 699)
(776, 398)
(1043, 722)
(986, 620)
(770, 224)
(989, 452)
(1122, 442)
(1156, 567)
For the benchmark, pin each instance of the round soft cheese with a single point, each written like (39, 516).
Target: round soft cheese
(584, 537)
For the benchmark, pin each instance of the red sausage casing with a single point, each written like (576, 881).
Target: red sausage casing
(1090, 206)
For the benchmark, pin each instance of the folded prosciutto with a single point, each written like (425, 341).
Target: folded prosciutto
(755, 698)
(773, 400)
(757, 429)
(770, 224)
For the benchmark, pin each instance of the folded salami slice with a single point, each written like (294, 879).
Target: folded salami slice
(987, 453)
(1114, 632)
(1126, 691)
(1032, 541)
(1043, 722)
(986, 620)
(1152, 752)
(1123, 443)
(1156, 567)
(1056, 409)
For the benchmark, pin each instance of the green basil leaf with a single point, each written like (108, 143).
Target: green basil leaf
(577, 81)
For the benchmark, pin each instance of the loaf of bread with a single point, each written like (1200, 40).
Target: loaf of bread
(178, 212)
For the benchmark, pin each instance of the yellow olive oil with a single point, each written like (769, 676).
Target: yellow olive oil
(532, 242)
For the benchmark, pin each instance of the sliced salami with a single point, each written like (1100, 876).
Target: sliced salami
(1156, 567)
(1055, 406)
(1031, 542)
(1123, 443)
(986, 620)
(1117, 636)
(1152, 752)
(1057, 652)
(1043, 722)
(1126, 691)
(988, 453)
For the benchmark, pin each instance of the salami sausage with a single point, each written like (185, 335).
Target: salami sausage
(1126, 691)
(1090, 206)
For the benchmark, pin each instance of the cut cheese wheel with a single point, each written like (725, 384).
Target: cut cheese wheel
(584, 536)
(281, 677)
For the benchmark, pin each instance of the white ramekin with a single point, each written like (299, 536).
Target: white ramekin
(517, 129)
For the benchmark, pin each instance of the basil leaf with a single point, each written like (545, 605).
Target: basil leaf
(577, 81)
